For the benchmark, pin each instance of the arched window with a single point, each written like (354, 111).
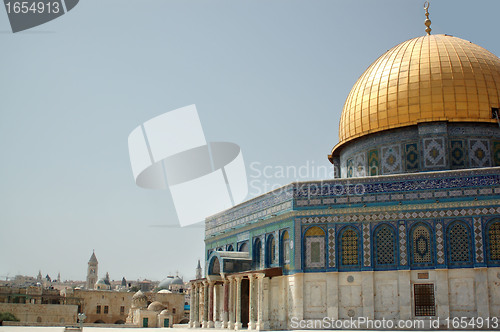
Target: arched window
(270, 251)
(243, 247)
(257, 248)
(421, 246)
(459, 244)
(285, 248)
(349, 248)
(214, 268)
(230, 248)
(493, 234)
(384, 247)
(314, 239)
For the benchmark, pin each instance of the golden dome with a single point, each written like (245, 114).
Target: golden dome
(429, 78)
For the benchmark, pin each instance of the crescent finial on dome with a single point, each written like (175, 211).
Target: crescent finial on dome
(427, 21)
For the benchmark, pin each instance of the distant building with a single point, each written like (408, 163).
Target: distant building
(92, 270)
(101, 306)
(35, 305)
(199, 273)
(172, 284)
(162, 309)
(103, 284)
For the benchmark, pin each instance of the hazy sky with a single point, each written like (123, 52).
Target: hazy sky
(269, 75)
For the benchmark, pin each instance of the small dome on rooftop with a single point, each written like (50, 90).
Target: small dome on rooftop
(139, 295)
(156, 306)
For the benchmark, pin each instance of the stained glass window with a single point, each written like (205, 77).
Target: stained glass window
(385, 244)
(315, 247)
(315, 252)
(271, 250)
(349, 247)
(257, 248)
(494, 241)
(458, 243)
(421, 242)
(215, 266)
(286, 248)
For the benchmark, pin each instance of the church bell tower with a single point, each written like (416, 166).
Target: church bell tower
(92, 271)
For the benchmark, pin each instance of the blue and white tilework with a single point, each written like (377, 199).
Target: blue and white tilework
(434, 152)
(331, 247)
(366, 245)
(391, 159)
(403, 253)
(479, 153)
(478, 240)
(439, 243)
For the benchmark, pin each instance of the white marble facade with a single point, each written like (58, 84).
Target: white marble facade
(279, 302)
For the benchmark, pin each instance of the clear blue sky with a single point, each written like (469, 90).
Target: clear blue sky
(269, 75)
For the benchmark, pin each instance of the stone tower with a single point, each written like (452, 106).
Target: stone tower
(92, 271)
(198, 271)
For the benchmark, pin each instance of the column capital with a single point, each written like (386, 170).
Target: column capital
(238, 278)
(260, 275)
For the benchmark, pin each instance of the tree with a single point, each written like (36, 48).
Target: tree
(134, 289)
(7, 316)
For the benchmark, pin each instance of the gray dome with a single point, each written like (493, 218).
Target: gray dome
(101, 282)
(177, 281)
(165, 283)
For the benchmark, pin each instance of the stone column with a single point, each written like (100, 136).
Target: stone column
(261, 324)
(251, 300)
(230, 324)
(211, 304)
(204, 323)
(191, 306)
(237, 311)
(196, 307)
(217, 307)
(225, 305)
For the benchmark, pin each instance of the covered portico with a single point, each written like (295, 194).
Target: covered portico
(232, 295)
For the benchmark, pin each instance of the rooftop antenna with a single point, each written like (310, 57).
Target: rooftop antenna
(427, 21)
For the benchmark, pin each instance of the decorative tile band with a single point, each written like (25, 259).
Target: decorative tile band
(439, 243)
(403, 254)
(478, 240)
(366, 245)
(331, 247)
